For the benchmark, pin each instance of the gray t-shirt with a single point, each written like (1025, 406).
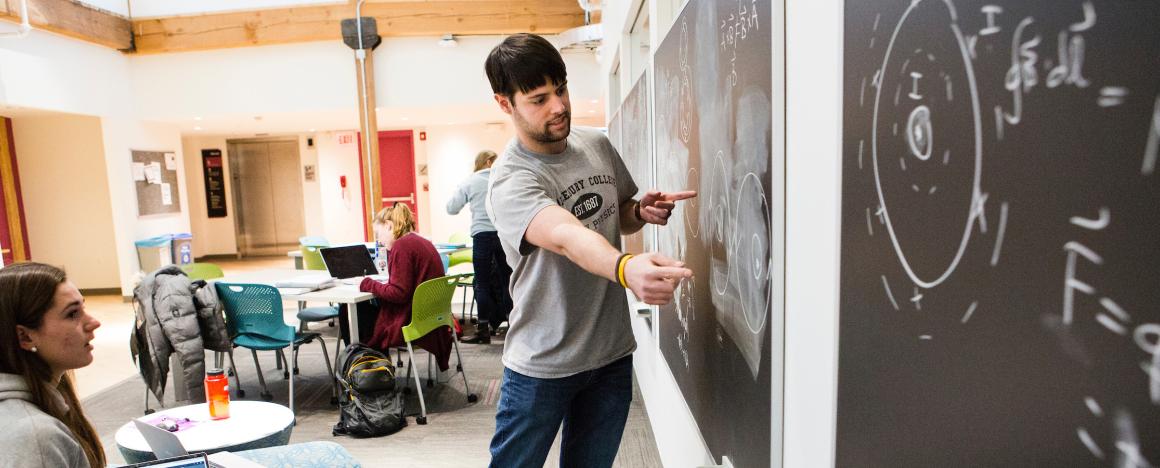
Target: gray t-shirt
(565, 320)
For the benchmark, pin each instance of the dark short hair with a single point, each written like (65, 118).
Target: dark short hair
(523, 62)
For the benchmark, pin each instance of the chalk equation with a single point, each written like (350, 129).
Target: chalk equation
(934, 119)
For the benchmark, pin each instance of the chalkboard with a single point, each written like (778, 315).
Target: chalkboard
(215, 183)
(634, 142)
(713, 134)
(155, 179)
(1000, 223)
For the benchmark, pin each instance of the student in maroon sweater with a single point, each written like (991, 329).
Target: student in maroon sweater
(411, 261)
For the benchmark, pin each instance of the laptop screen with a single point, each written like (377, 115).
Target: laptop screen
(348, 261)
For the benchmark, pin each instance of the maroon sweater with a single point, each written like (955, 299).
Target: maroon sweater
(412, 260)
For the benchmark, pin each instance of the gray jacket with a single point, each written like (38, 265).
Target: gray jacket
(31, 437)
(176, 315)
(473, 191)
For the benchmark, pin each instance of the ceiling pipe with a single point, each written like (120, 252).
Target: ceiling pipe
(25, 27)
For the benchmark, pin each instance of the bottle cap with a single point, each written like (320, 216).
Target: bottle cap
(214, 371)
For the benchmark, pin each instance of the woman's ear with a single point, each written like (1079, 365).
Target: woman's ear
(25, 338)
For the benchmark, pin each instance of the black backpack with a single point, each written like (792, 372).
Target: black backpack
(369, 404)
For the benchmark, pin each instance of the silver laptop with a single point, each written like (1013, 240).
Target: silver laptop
(195, 460)
(165, 446)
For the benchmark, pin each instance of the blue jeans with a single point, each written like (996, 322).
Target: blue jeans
(592, 405)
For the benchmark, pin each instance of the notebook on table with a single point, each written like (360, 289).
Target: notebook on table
(348, 261)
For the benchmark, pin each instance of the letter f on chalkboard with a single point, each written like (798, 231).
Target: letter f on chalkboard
(1070, 283)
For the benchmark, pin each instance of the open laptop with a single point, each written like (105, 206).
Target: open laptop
(165, 446)
(193, 460)
(348, 261)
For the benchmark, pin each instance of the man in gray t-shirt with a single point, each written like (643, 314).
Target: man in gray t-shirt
(560, 198)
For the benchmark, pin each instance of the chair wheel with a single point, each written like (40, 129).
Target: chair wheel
(150, 411)
(459, 368)
(241, 393)
(268, 396)
(285, 375)
(472, 398)
(421, 420)
(230, 372)
(296, 371)
(332, 324)
(430, 383)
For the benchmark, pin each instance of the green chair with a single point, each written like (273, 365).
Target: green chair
(202, 271)
(312, 257)
(459, 238)
(430, 311)
(254, 321)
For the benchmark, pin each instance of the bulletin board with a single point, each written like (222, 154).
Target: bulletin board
(155, 178)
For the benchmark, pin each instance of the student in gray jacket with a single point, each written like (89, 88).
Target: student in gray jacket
(44, 331)
(492, 272)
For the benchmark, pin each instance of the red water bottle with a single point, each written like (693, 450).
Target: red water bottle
(217, 393)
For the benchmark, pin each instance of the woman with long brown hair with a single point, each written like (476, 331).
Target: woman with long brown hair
(44, 332)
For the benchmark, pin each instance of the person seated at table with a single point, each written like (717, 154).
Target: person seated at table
(44, 332)
(412, 259)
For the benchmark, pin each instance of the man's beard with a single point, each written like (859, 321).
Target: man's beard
(545, 134)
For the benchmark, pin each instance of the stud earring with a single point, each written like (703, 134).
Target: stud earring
(33, 349)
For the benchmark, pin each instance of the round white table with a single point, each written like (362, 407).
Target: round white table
(251, 425)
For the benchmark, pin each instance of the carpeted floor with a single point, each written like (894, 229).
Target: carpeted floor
(457, 433)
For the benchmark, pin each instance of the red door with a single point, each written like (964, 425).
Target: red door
(13, 230)
(397, 168)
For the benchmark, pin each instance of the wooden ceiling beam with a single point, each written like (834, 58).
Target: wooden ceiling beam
(75, 20)
(319, 23)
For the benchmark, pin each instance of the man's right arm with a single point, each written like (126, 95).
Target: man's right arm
(652, 277)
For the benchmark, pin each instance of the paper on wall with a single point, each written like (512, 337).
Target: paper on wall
(138, 171)
(171, 161)
(153, 172)
(166, 195)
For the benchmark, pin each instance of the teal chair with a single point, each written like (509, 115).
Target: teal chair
(254, 321)
(202, 271)
(431, 311)
(312, 260)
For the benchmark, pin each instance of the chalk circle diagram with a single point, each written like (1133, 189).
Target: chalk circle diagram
(927, 142)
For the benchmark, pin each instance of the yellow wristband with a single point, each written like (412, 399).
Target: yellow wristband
(620, 263)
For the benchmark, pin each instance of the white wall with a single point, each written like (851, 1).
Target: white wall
(813, 199)
(120, 137)
(50, 72)
(211, 236)
(451, 154)
(69, 220)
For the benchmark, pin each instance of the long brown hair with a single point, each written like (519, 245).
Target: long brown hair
(399, 214)
(27, 291)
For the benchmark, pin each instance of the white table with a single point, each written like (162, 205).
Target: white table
(342, 293)
(251, 425)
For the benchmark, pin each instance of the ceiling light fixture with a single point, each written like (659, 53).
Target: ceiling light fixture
(448, 40)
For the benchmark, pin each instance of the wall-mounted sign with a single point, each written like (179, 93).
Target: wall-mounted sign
(345, 138)
(215, 183)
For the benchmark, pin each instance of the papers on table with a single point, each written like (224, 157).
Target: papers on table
(306, 282)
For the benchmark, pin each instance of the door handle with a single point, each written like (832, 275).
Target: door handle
(410, 199)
